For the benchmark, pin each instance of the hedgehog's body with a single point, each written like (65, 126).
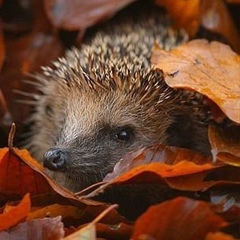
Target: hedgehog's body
(105, 100)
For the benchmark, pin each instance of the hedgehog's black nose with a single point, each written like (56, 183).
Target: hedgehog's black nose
(54, 159)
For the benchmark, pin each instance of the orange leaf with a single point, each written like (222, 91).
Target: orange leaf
(219, 236)
(37, 229)
(225, 144)
(204, 67)
(182, 171)
(17, 178)
(87, 232)
(216, 18)
(15, 214)
(120, 231)
(157, 153)
(148, 166)
(185, 14)
(26, 52)
(190, 219)
(54, 210)
(39, 171)
(78, 15)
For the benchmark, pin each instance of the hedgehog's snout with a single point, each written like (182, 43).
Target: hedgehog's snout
(55, 159)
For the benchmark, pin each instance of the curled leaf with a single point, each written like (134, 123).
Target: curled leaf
(37, 229)
(207, 68)
(191, 220)
(15, 214)
(78, 15)
(225, 144)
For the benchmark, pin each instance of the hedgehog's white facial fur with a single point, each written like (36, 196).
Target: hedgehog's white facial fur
(104, 100)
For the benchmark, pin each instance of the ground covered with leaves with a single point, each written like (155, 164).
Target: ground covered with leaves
(199, 195)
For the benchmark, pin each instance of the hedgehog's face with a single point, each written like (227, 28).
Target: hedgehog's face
(83, 135)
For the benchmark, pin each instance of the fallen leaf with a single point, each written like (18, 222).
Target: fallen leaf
(26, 53)
(184, 14)
(21, 174)
(184, 176)
(219, 236)
(157, 153)
(16, 178)
(215, 16)
(185, 173)
(207, 68)
(78, 15)
(88, 233)
(37, 229)
(36, 167)
(225, 144)
(119, 231)
(190, 219)
(30, 177)
(160, 173)
(112, 218)
(16, 214)
(216, 113)
(54, 210)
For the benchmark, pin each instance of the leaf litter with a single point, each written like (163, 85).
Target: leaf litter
(207, 67)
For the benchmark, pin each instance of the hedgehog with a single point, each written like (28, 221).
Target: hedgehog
(105, 99)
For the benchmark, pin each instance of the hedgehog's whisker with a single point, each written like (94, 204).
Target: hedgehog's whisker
(33, 83)
(26, 94)
(27, 102)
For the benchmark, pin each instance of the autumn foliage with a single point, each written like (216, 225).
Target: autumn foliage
(199, 195)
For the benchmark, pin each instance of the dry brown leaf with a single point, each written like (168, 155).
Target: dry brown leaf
(54, 210)
(15, 214)
(212, 69)
(20, 174)
(185, 14)
(225, 144)
(38, 168)
(212, 15)
(78, 15)
(26, 53)
(215, 17)
(157, 153)
(172, 174)
(37, 229)
(111, 218)
(72, 213)
(190, 219)
(219, 236)
(216, 112)
(16, 178)
(119, 231)
(183, 176)
(88, 233)
(30, 177)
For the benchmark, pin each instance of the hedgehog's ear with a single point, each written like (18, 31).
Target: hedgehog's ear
(187, 132)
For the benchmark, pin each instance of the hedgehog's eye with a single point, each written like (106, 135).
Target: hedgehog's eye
(124, 134)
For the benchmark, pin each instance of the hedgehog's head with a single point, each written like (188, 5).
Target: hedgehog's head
(87, 119)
